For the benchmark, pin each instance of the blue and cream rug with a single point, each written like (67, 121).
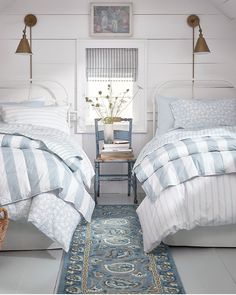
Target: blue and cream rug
(107, 256)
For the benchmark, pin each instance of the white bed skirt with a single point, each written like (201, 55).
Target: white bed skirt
(207, 236)
(25, 236)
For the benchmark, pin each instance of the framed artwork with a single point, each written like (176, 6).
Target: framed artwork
(111, 19)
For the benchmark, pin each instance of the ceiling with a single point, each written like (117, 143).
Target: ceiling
(226, 7)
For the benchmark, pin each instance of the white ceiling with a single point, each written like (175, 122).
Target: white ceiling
(226, 7)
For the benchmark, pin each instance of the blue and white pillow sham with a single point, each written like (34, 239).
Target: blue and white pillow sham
(195, 114)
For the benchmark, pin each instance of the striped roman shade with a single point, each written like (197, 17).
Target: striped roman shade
(105, 64)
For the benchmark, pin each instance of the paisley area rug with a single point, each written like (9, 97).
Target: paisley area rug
(107, 257)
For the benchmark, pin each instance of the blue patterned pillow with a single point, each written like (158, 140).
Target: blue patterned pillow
(194, 114)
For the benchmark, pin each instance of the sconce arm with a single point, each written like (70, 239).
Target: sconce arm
(200, 30)
(24, 32)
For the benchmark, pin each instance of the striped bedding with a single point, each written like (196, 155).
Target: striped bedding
(53, 116)
(36, 160)
(170, 166)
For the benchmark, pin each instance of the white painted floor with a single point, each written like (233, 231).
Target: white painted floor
(206, 270)
(33, 272)
(202, 270)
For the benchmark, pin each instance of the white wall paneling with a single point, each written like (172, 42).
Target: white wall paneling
(82, 7)
(145, 26)
(161, 24)
(180, 51)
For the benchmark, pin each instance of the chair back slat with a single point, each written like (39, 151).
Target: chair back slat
(100, 135)
(121, 135)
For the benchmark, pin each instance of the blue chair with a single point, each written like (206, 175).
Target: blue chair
(130, 160)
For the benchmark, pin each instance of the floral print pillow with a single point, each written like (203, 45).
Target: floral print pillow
(195, 114)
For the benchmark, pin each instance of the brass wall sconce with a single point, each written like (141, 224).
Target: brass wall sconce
(25, 47)
(201, 45)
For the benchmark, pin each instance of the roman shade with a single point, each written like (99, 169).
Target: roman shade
(105, 64)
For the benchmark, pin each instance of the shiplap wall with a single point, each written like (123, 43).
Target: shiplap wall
(161, 23)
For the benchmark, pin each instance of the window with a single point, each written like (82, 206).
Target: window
(120, 67)
(118, 87)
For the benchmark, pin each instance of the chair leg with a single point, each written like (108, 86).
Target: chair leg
(135, 188)
(94, 189)
(98, 190)
(129, 177)
(96, 182)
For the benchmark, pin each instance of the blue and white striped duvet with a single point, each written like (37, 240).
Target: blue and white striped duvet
(189, 178)
(35, 160)
(179, 156)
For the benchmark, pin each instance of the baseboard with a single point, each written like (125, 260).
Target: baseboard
(118, 198)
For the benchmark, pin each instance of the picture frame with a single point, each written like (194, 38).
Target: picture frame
(111, 19)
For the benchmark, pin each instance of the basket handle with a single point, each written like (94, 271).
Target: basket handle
(5, 214)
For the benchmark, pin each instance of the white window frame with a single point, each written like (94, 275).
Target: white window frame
(140, 108)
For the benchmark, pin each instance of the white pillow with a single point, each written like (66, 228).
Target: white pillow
(34, 102)
(165, 119)
(194, 114)
(48, 116)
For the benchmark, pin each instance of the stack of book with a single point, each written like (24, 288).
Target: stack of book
(118, 149)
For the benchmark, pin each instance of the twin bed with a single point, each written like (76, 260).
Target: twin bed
(187, 170)
(44, 173)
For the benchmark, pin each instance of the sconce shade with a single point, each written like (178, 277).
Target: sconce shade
(24, 47)
(201, 45)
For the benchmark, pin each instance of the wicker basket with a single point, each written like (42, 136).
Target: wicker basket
(3, 225)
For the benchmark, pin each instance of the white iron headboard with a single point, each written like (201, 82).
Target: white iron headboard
(52, 91)
(188, 89)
